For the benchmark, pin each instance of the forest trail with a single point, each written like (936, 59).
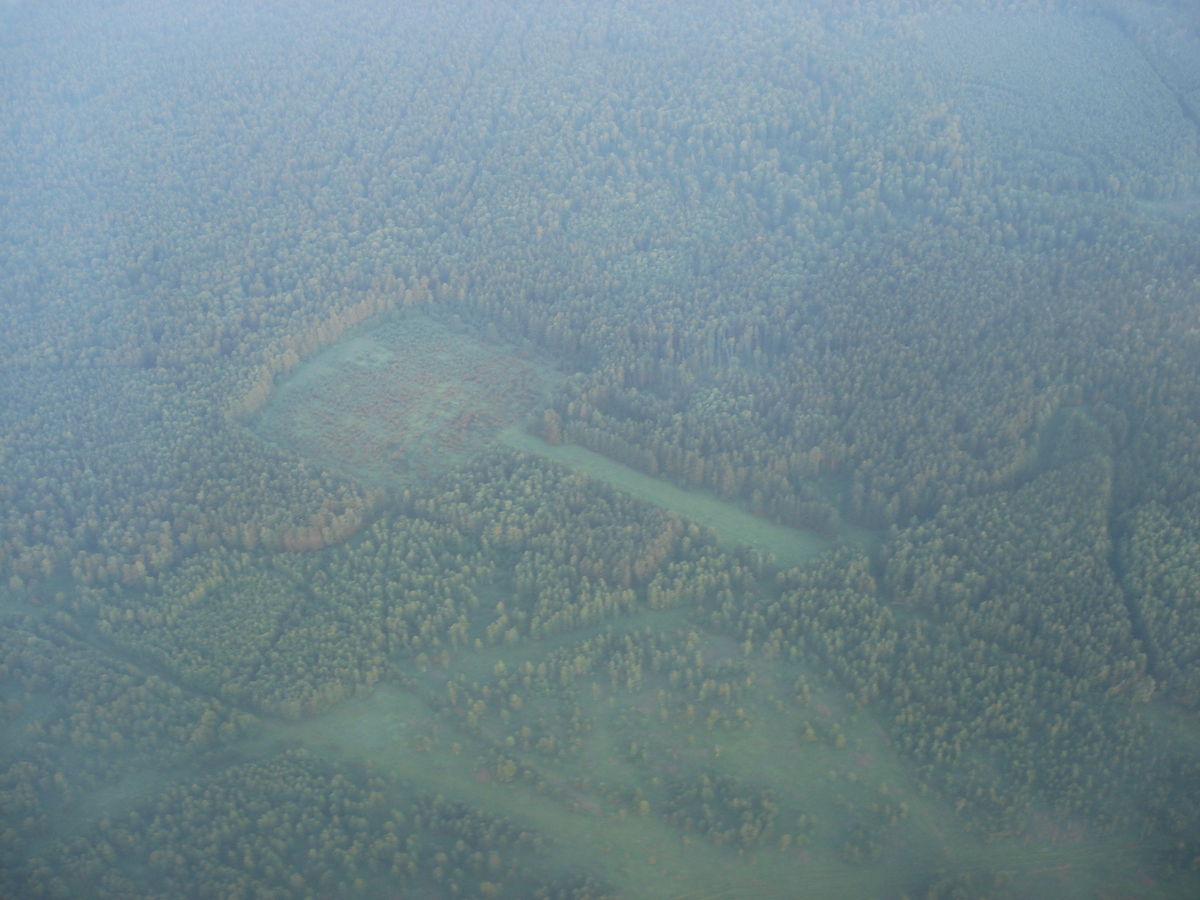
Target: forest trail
(733, 525)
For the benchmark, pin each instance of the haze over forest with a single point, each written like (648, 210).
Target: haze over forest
(592, 450)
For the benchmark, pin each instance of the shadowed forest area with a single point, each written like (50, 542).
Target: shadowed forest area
(600, 450)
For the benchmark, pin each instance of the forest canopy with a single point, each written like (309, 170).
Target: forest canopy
(283, 613)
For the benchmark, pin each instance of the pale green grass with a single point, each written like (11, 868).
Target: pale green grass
(734, 526)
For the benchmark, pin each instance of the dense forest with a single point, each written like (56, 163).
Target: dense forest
(928, 269)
